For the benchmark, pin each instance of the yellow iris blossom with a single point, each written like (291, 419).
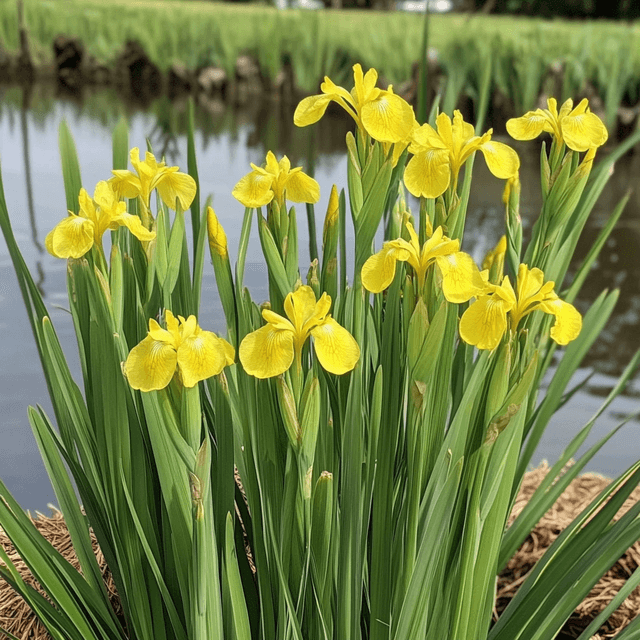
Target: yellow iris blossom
(484, 323)
(184, 346)
(151, 174)
(276, 181)
(380, 113)
(271, 350)
(494, 260)
(439, 155)
(76, 234)
(460, 276)
(577, 127)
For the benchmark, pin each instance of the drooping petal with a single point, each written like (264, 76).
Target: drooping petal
(388, 118)
(267, 352)
(71, 237)
(461, 279)
(134, 224)
(583, 130)
(337, 350)
(528, 126)
(380, 268)
(201, 356)
(568, 322)
(311, 109)
(174, 184)
(300, 187)
(150, 365)
(428, 174)
(501, 159)
(254, 190)
(483, 324)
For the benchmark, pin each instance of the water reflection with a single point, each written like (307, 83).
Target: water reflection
(227, 140)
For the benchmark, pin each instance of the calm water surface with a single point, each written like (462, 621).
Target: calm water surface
(227, 141)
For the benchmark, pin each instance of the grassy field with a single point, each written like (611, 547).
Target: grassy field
(198, 33)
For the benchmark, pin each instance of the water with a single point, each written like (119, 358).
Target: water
(226, 142)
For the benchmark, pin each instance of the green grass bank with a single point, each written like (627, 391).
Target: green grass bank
(593, 56)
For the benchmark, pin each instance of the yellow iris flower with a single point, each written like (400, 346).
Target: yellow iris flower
(484, 323)
(460, 276)
(76, 234)
(578, 128)
(276, 181)
(439, 155)
(151, 174)
(184, 346)
(271, 350)
(380, 113)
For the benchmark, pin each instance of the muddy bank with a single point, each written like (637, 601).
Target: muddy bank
(138, 79)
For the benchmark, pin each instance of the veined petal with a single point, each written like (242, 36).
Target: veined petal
(461, 279)
(267, 352)
(483, 324)
(134, 224)
(300, 306)
(200, 356)
(583, 131)
(311, 109)
(150, 365)
(337, 350)
(125, 184)
(70, 238)
(254, 190)
(173, 184)
(428, 173)
(380, 268)
(300, 187)
(388, 118)
(528, 126)
(568, 322)
(501, 159)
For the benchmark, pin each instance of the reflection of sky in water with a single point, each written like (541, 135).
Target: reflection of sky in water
(226, 143)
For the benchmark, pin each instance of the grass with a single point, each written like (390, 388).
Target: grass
(199, 33)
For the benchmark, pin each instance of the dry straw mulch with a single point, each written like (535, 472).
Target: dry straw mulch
(17, 618)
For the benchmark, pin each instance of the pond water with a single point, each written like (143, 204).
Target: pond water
(227, 140)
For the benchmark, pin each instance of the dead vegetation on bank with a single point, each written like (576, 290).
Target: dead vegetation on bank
(18, 619)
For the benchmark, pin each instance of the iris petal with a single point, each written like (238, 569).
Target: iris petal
(254, 190)
(461, 278)
(501, 159)
(267, 352)
(380, 268)
(568, 322)
(174, 184)
(388, 118)
(134, 224)
(483, 324)
(311, 109)
(528, 126)
(302, 188)
(70, 238)
(428, 173)
(200, 356)
(150, 365)
(583, 131)
(337, 350)
(300, 306)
